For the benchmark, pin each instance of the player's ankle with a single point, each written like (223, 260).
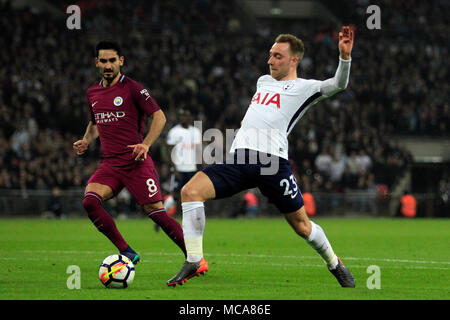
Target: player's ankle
(194, 259)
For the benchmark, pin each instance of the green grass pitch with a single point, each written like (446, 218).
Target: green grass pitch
(249, 259)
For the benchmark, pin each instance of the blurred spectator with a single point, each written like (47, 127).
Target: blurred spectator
(20, 140)
(249, 205)
(353, 170)
(443, 205)
(55, 205)
(337, 168)
(323, 163)
(121, 206)
(364, 162)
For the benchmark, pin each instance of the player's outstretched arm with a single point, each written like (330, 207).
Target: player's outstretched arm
(140, 150)
(90, 135)
(340, 80)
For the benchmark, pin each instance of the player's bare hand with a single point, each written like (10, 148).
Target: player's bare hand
(346, 37)
(139, 151)
(80, 146)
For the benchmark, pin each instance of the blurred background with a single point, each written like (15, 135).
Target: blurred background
(356, 154)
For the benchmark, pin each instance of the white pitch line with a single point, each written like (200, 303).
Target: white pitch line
(346, 258)
(247, 256)
(300, 265)
(255, 263)
(399, 260)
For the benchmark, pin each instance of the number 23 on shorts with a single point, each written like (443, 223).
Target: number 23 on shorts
(288, 191)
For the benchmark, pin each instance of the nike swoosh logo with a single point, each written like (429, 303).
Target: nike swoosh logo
(116, 269)
(94, 103)
(293, 195)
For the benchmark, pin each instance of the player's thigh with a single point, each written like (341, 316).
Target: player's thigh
(182, 179)
(198, 188)
(143, 184)
(104, 182)
(103, 190)
(299, 221)
(219, 181)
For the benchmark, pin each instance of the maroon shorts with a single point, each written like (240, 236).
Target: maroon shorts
(141, 180)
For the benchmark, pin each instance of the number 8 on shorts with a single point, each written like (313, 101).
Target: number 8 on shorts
(152, 187)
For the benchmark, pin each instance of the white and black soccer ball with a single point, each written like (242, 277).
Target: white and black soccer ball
(116, 271)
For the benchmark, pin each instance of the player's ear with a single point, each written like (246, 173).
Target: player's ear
(96, 62)
(121, 60)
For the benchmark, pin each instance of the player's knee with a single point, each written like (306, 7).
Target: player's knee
(90, 203)
(190, 193)
(150, 207)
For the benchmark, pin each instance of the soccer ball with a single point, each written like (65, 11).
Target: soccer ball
(116, 271)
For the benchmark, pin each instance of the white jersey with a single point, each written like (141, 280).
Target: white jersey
(277, 106)
(184, 141)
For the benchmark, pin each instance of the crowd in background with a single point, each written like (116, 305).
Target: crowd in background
(204, 56)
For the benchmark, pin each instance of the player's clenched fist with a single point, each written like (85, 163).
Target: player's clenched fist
(80, 146)
(346, 37)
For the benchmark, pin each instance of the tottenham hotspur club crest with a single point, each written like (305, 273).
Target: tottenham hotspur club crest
(118, 101)
(288, 86)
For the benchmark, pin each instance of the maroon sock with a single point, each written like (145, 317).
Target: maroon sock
(170, 226)
(92, 203)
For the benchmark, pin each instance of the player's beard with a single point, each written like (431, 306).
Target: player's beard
(109, 77)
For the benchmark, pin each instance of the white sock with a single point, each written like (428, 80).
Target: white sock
(318, 240)
(193, 227)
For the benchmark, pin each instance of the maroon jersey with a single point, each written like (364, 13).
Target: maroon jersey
(120, 113)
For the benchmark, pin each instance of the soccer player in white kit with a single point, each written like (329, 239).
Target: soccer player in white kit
(281, 99)
(185, 144)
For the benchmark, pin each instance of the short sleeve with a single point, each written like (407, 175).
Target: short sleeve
(314, 86)
(143, 99)
(91, 113)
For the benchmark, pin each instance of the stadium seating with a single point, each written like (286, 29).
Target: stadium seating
(199, 55)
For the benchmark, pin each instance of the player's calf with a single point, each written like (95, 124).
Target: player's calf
(92, 203)
(169, 225)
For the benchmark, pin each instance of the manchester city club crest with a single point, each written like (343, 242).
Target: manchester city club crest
(118, 101)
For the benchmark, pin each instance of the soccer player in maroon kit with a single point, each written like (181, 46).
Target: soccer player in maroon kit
(119, 107)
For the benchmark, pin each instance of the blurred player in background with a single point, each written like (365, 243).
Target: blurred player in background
(119, 107)
(185, 143)
(280, 101)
